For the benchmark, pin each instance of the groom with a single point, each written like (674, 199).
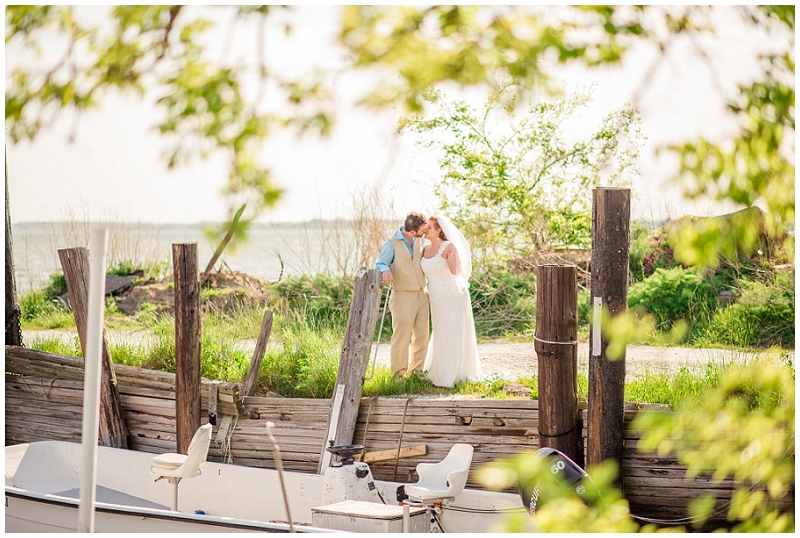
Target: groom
(399, 266)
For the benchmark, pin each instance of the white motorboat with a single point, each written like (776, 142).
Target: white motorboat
(42, 492)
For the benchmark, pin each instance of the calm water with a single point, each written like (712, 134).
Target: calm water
(298, 246)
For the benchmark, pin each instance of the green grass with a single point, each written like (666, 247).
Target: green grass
(56, 345)
(40, 311)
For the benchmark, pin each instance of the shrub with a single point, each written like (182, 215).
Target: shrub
(672, 294)
(323, 298)
(503, 303)
(639, 247)
(659, 255)
(39, 311)
(762, 316)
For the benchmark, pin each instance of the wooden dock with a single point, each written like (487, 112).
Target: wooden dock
(44, 395)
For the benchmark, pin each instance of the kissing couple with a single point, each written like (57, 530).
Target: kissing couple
(428, 263)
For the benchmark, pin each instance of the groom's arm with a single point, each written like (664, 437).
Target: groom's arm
(384, 261)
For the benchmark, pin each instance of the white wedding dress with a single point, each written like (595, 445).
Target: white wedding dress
(453, 349)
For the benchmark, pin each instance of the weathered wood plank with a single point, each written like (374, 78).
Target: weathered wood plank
(361, 321)
(258, 354)
(386, 455)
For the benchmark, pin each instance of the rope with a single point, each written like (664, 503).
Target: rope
(400, 442)
(568, 343)
(558, 434)
(366, 426)
(213, 394)
(224, 436)
(380, 329)
(45, 392)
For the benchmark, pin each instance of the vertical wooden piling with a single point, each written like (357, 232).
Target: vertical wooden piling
(13, 329)
(610, 248)
(187, 343)
(75, 264)
(556, 345)
(251, 379)
(353, 363)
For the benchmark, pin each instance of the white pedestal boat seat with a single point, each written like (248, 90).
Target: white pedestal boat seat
(444, 480)
(173, 467)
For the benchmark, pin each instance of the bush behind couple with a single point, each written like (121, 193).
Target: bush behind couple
(428, 263)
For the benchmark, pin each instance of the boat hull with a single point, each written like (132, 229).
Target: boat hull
(30, 512)
(42, 494)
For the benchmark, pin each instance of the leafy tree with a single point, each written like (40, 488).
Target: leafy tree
(512, 180)
(469, 44)
(157, 53)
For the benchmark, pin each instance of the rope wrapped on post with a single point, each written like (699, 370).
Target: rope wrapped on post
(568, 342)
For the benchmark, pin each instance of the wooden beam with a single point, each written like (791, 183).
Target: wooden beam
(13, 328)
(251, 380)
(390, 455)
(223, 244)
(187, 343)
(355, 355)
(610, 248)
(556, 345)
(75, 264)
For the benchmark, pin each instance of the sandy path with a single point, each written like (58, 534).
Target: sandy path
(511, 360)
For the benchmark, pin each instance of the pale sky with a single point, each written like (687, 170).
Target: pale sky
(114, 164)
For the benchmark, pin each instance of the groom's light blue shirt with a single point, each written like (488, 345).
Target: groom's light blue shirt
(387, 252)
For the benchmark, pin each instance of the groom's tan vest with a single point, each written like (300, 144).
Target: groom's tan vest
(406, 271)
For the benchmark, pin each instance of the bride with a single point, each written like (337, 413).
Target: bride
(453, 350)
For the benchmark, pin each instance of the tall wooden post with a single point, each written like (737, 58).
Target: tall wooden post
(610, 247)
(556, 345)
(187, 343)
(75, 264)
(354, 360)
(13, 329)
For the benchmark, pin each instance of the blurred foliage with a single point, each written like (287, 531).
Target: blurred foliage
(512, 181)
(559, 508)
(741, 429)
(158, 53)
(476, 45)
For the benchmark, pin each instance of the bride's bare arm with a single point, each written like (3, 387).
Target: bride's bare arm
(451, 255)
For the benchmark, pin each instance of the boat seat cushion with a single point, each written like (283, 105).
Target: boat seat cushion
(169, 461)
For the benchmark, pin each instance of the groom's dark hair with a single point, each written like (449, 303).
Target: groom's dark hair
(414, 221)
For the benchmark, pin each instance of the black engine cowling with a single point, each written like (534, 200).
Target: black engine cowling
(566, 472)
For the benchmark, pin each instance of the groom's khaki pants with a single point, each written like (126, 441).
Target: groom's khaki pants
(410, 314)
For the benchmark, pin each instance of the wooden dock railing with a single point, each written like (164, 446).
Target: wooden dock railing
(44, 395)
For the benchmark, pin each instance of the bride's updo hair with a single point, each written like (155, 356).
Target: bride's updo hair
(436, 225)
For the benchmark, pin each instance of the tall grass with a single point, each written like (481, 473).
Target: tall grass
(128, 242)
(304, 364)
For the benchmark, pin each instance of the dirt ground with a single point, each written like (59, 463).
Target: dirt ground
(512, 360)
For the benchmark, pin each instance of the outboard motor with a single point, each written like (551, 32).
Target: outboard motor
(347, 479)
(566, 472)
